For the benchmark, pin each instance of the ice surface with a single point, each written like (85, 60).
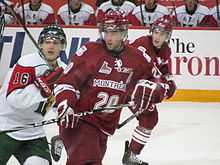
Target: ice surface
(187, 134)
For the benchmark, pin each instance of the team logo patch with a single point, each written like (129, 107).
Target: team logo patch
(105, 68)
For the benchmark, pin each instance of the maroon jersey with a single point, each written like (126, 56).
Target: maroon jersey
(160, 57)
(94, 79)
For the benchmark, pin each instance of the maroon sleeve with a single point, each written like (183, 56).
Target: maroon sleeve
(60, 20)
(138, 42)
(212, 21)
(50, 19)
(91, 20)
(73, 78)
(166, 56)
(209, 21)
(133, 20)
(175, 21)
(100, 15)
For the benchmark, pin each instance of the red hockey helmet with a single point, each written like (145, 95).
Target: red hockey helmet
(163, 24)
(114, 21)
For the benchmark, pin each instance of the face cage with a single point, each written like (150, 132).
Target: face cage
(107, 27)
(2, 25)
(124, 34)
(53, 37)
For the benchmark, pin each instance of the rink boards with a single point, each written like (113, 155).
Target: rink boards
(195, 56)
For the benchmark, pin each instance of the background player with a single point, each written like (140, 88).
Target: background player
(156, 46)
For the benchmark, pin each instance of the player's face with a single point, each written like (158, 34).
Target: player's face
(119, 2)
(51, 49)
(35, 2)
(75, 4)
(113, 40)
(149, 3)
(190, 4)
(158, 38)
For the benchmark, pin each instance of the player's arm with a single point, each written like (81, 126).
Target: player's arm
(25, 89)
(22, 92)
(68, 88)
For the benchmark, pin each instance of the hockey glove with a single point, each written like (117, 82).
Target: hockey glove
(171, 90)
(147, 93)
(45, 82)
(170, 85)
(66, 114)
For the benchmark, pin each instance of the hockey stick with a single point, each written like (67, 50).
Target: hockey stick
(142, 15)
(2, 25)
(20, 21)
(55, 120)
(69, 13)
(217, 10)
(174, 10)
(23, 14)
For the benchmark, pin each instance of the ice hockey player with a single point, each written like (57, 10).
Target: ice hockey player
(156, 47)
(102, 74)
(26, 95)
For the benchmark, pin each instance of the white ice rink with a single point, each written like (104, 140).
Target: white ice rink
(187, 134)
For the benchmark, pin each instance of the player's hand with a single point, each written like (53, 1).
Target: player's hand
(41, 84)
(171, 90)
(66, 114)
(147, 93)
(45, 82)
(170, 85)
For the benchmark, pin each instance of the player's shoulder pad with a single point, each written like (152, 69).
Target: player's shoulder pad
(130, 4)
(138, 41)
(140, 54)
(162, 9)
(136, 10)
(31, 60)
(62, 9)
(203, 10)
(89, 48)
(105, 6)
(46, 8)
(213, 10)
(87, 8)
(181, 9)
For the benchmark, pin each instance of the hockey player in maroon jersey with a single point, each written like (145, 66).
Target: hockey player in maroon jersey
(156, 46)
(102, 74)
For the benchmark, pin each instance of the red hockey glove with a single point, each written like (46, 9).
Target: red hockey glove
(66, 114)
(170, 85)
(172, 89)
(45, 82)
(41, 83)
(147, 93)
